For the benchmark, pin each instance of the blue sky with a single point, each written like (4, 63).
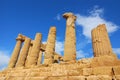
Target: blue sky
(31, 16)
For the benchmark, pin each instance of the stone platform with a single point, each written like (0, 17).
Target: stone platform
(80, 70)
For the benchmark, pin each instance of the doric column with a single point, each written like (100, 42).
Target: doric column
(70, 38)
(101, 42)
(28, 56)
(23, 53)
(50, 47)
(107, 40)
(39, 58)
(33, 56)
(15, 53)
(94, 42)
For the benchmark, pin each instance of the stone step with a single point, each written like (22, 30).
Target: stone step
(117, 77)
(101, 77)
(98, 73)
(36, 78)
(14, 78)
(2, 78)
(92, 77)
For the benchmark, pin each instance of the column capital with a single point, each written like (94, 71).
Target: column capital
(53, 28)
(19, 37)
(69, 15)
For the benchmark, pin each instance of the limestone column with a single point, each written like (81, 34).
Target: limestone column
(107, 39)
(23, 53)
(94, 41)
(39, 58)
(50, 47)
(30, 48)
(70, 38)
(101, 42)
(33, 57)
(15, 53)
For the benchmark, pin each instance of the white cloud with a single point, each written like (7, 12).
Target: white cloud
(58, 17)
(116, 50)
(92, 20)
(4, 59)
(59, 47)
(81, 54)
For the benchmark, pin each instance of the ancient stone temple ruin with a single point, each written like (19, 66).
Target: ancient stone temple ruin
(27, 62)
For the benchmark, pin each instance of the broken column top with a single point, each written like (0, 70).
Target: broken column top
(21, 37)
(100, 27)
(53, 28)
(69, 14)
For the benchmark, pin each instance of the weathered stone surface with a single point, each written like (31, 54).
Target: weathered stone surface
(28, 56)
(15, 78)
(87, 71)
(15, 53)
(104, 61)
(92, 77)
(40, 74)
(76, 78)
(33, 57)
(56, 58)
(58, 78)
(116, 70)
(38, 78)
(104, 77)
(101, 42)
(73, 73)
(117, 77)
(2, 78)
(70, 39)
(18, 74)
(101, 77)
(23, 53)
(50, 47)
(58, 71)
(102, 71)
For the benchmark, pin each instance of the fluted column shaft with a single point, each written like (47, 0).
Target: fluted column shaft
(28, 56)
(50, 47)
(33, 57)
(15, 53)
(70, 38)
(101, 42)
(108, 40)
(94, 41)
(23, 53)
